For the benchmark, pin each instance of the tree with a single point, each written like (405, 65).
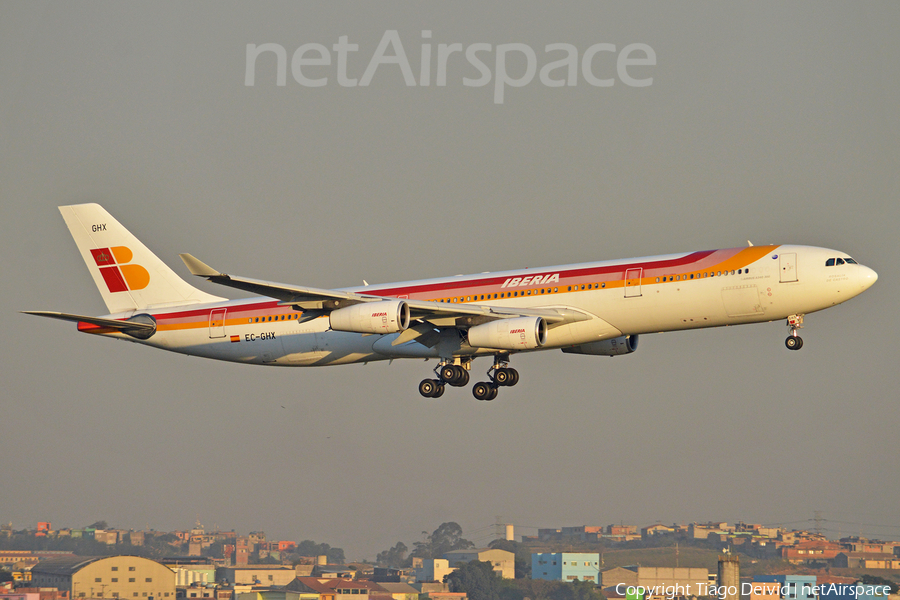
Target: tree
(101, 525)
(477, 579)
(445, 538)
(395, 557)
(311, 548)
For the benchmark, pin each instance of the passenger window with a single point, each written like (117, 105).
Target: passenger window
(603, 285)
(692, 275)
(678, 278)
(840, 261)
(739, 271)
(829, 262)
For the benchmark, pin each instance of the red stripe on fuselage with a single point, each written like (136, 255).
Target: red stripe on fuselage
(447, 287)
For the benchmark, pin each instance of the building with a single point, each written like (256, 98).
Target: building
(504, 562)
(811, 551)
(656, 529)
(106, 577)
(792, 587)
(24, 593)
(330, 589)
(566, 566)
(399, 591)
(268, 575)
(432, 569)
(687, 581)
(866, 560)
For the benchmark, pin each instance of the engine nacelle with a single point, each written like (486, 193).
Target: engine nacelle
(625, 344)
(384, 316)
(519, 333)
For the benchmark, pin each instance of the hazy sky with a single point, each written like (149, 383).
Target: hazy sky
(764, 121)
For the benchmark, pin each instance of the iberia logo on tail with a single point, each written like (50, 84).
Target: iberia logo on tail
(117, 273)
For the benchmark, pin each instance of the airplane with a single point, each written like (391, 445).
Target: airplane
(596, 308)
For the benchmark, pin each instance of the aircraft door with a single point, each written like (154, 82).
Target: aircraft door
(633, 282)
(217, 323)
(788, 264)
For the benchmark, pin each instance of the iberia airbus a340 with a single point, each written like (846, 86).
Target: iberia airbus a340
(596, 308)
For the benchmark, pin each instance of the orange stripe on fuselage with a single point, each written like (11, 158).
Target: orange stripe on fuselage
(612, 277)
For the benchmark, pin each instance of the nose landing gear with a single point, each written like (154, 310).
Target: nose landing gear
(794, 341)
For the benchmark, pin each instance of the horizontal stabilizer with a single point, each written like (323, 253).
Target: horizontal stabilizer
(138, 329)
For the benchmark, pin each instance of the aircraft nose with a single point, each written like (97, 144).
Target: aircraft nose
(867, 277)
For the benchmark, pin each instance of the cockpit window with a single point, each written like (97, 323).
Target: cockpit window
(850, 261)
(840, 261)
(829, 262)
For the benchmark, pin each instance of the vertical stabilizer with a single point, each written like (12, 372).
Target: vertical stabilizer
(128, 275)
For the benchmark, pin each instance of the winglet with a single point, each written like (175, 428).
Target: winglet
(198, 267)
(749, 243)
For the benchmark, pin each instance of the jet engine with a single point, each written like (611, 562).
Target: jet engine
(625, 344)
(384, 316)
(519, 333)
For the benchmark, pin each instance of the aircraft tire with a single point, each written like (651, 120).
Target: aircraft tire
(481, 390)
(502, 376)
(793, 342)
(449, 374)
(427, 387)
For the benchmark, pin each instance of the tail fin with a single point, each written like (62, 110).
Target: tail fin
(128, 275)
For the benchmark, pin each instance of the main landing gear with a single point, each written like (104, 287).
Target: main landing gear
(794, 341)
(447, 373)
(457, 375)
(501, 374)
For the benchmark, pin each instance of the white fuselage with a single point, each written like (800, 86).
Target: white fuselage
(622, 297)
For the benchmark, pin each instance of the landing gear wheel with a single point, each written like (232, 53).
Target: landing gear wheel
(503, 377)
(514, 377)
(794, 342)
(483, 390)
(449, 374)
(455, 375)
(431, 388)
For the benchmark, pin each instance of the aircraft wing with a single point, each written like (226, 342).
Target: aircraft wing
(320, 301)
